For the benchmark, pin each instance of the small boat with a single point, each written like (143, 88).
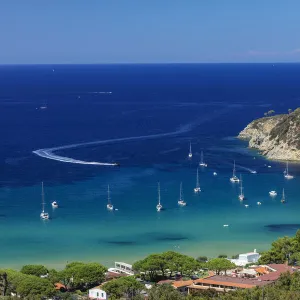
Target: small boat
(258, 203)
(44, 215)
(197, 188)
(109, 205)
(181, 202)
(202, 163)
(273, 193)
(246, 205)
(234, 178)
(286, 172)
(269, 166)
(159, 206)
(54, 204)
(253, 172)
(225, 225)
(241, 195)
(190, 153)
(283, 197)
(215, 173)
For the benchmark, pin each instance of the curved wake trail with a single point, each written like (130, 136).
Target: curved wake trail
(49, 152)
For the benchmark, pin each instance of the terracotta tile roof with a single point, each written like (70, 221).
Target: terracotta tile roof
(182, 283)
(261, 270)
(280, 267)
(168, 281)
(59, 286)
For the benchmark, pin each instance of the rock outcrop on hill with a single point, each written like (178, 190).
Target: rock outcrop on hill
(277, 137)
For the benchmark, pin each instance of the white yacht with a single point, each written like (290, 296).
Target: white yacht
(44, 215)
(159, 206)
(273, 193)
(190, 153)
(197, 189)
(241, 195)
(246, 205)
(286, 172)
(234, 178)
(258, 203)
(181, 202)
(283, 197)
(202, 163)
(215, 173)
(54, 204)
(109, 205)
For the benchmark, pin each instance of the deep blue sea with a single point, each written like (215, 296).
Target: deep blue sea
(143, 117)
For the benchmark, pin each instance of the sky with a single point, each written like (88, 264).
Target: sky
(144, 31)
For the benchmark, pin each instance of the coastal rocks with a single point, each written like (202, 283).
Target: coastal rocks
(277, 137)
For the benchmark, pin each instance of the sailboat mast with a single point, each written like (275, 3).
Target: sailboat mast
(190, 147)
(159, 193)
(43, 197)
(197, 180)
(201, 157)
(283, 195)
(233, 172)
(180, 195)
(241, 186)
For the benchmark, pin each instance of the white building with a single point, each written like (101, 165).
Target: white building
(121, 267)
(246, 258)
(97, 294)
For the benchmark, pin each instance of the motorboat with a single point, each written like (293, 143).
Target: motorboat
(54, 204)
(273, 193)
(258, 203)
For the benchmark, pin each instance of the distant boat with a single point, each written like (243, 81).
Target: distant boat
(181, 202)
(234, 178)
(241, 195)
(54, 204)
(109, 205)
(258, 203)
(197, 188)
(215, 173)
(225, 225)
(190, 153)
(202, 163)
(246, 205)
(283, 196)
(44, 215)
(253, 171)
(273, 193)
(159, 206)
(286, 172)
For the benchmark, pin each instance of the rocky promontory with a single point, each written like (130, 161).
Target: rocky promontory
(277, 137)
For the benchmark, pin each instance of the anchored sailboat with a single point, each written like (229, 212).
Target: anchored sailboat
(181, 202)
(44, 215)
(283, 197)
(286, 172)
(241, 195)
(190, 153)
(197, 188)
(109, 205)
(159, 206)
(234, 178)
(202, 163)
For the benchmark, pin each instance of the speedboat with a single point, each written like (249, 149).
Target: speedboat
(181, 202)
(253, 171)
(246, 205)
(273, 193)
(54, 204)
(225, 225)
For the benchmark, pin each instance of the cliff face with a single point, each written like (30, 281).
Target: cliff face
(277, 137)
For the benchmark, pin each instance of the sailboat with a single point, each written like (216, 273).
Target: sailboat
(197, 188)
(286, 172)
(241, 195)
(109, 205)
(283, 197)
(190, 153)
(234, 178)
(181, 202)
(159, 206)
(202, 163)
(43, 215)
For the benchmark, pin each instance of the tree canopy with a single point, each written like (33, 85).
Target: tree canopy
(36, 270)
(220, 264)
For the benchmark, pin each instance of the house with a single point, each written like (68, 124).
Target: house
(273, 272)
(182, 285)
(121, 267)
(224, 283)
(97, 294)
(246, 258)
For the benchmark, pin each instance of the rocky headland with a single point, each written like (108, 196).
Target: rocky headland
(277, 137)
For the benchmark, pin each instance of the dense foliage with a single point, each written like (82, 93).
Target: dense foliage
(37, 270)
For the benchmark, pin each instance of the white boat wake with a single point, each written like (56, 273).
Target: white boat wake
(49, 152)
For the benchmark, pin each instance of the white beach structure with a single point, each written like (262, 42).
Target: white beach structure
(97, 294)
(121, 267)
(246, 258)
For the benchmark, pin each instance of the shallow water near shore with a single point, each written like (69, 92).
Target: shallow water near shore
(163, 107)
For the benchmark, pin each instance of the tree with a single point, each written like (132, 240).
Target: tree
(222, 256)
(125, 285)
(164, 292)
(82, 276)
(220, 264)
(202, 259)
(36, 270)
(3, 283)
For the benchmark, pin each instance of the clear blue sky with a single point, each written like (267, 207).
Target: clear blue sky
(152, 31)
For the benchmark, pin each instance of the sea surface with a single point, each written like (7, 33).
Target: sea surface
(143, 117)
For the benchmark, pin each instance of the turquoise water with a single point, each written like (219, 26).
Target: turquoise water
(164, 108)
